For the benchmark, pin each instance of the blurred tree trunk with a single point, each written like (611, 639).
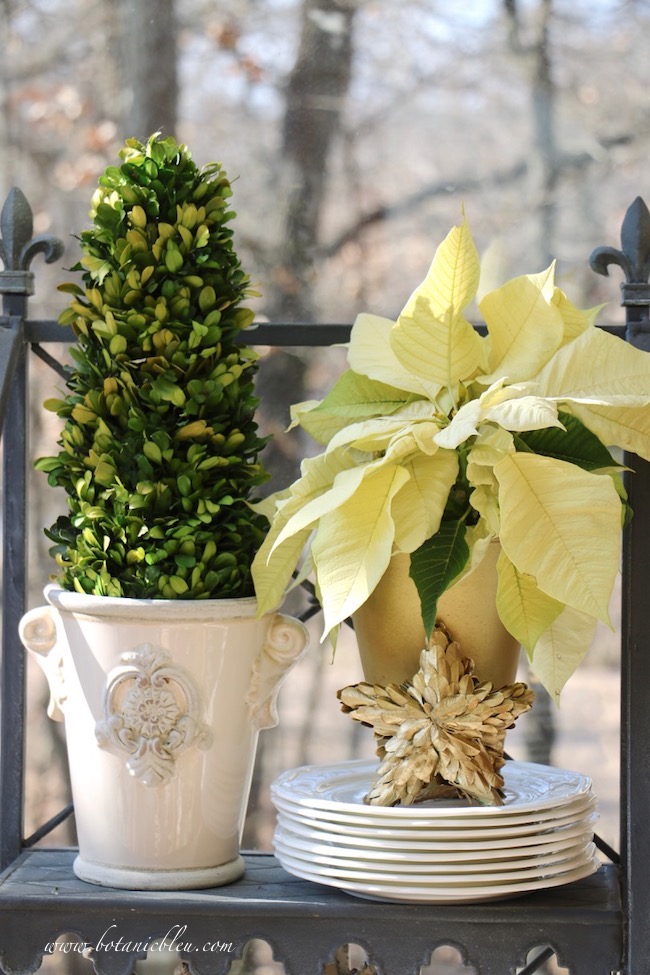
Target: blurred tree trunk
(316, 92)
(535, 56)
(148, 57)
(315, 97)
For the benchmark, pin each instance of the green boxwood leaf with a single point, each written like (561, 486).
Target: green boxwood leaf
(117, 345)
(178, 585)
(185, 561)
(184, 485)
(152, 451)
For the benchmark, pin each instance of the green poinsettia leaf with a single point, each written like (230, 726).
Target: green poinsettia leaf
(353, 397)
(576, 444)
(353, 390)
(435, 565)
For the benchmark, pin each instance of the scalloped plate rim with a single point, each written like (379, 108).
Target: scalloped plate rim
(305, 786)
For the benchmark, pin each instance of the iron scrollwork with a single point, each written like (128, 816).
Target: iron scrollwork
(18, 246)
(634, 259)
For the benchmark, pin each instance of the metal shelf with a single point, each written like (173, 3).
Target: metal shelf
(303, 922)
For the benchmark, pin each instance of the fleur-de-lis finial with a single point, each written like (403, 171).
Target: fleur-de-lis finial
(17, 250)
(634, 256)
(17, 245)
(634, 259)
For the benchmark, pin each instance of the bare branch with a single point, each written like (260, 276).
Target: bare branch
(389, 211)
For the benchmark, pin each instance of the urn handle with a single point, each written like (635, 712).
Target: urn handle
(39, 635)
(286, 641)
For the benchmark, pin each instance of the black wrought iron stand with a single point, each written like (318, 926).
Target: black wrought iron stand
(597, 925)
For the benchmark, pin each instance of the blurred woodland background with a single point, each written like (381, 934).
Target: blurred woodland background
(355, 132)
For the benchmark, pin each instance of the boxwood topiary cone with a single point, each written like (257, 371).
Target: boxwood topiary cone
(159, 452)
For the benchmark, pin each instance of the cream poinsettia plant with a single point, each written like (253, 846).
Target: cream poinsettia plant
(438, 439)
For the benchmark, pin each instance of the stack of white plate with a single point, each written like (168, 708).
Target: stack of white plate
(440, 851)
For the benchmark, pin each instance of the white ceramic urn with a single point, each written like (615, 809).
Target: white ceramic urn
(163, 701)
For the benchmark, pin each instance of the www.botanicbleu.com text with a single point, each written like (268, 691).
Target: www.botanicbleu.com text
(111, 941)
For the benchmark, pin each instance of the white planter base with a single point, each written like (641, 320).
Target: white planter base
(133, 879)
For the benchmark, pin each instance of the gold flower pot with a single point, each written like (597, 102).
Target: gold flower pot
(390, 632)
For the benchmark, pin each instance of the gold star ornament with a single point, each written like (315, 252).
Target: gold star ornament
(442, 733)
